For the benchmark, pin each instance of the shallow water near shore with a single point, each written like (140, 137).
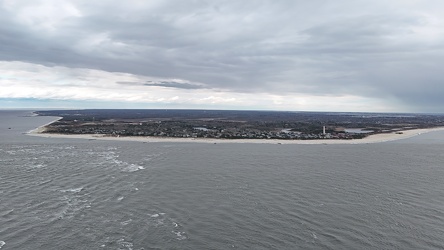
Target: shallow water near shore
(58, 193)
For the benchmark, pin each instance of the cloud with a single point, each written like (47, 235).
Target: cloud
(387, 52)
(167, 84)
(30, 81)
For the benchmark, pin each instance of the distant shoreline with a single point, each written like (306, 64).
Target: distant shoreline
(375, 138)
(41, 129)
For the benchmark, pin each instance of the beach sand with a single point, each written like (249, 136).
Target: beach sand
(41, 129)
(151, 139)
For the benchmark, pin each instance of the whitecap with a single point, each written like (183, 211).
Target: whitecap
(179, 235)
(126, 244)
(45, 181)
(314, 235)
(38, 166)
(72, 190)
(2, 243)
(124, 223)
(132, 168)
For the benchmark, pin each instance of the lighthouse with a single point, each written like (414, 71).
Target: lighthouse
(323, 130)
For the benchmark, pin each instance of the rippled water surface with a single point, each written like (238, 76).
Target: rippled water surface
(82, 194)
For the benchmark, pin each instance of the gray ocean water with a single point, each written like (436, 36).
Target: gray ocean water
(90, 194)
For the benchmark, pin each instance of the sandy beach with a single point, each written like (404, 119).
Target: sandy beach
(37, 131)
(151, 139)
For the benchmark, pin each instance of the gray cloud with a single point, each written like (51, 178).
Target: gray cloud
(372, 49)
(166, 84)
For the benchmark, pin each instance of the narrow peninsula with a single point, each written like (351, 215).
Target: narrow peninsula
(235, 125)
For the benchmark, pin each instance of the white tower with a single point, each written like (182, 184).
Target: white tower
(323, 130)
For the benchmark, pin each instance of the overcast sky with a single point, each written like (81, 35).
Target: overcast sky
(317, 55)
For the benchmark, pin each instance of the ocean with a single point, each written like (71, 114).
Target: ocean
(89, 194)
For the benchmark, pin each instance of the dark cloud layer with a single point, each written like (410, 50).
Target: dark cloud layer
(373, 49)
(166, 84)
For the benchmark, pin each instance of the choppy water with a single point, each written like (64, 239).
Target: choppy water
(81, 194)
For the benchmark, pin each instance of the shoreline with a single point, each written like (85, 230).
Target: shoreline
(376, 138)
(41, 129)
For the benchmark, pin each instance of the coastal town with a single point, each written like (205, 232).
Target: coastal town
(234, 124)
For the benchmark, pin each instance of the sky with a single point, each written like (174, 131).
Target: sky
(294, 55)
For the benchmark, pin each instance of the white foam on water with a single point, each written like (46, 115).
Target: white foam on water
(45, 181)
(158, 219)
(72, 190)
(110, 156)
(179, 235)
(132, 168)
(124, 223)
(2, 243)
(72, 202)
(38, 166)
(162, 221)
(71, 208)
(314, 235)
(113, 157)
(126, 244)
(120, 198)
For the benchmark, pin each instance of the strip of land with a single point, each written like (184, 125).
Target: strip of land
(375, 138)
(39, 130)
(224, 126)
